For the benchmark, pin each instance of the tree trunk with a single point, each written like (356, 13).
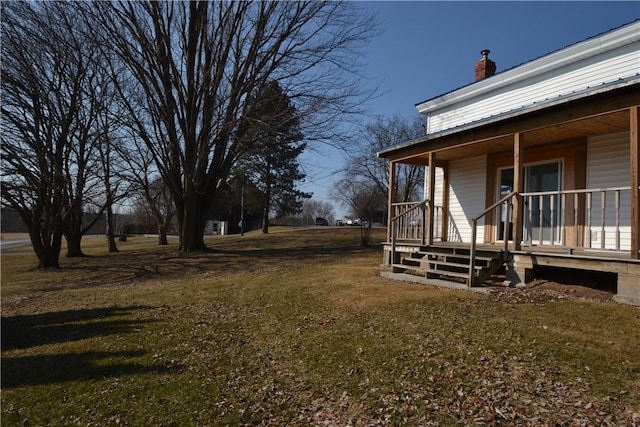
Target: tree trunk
(49, 253)
(110, 237)
(265, 220)
(267, 207)
(50, 259)
(74, 248)
(162, 233)
(73, 234)
(112, 243)
(194, 222)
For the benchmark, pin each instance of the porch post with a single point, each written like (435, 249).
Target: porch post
(444, 233)
(518, 185)
(432, 193)
(391, 195)
(634, 144)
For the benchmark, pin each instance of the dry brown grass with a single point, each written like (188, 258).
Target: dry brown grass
(297, 328)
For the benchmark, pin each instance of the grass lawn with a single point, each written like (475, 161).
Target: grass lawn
(297, 328)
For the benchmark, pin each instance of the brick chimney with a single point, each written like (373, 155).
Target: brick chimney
(485, 67)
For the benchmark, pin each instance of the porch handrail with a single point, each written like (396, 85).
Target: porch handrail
(560, 203)
(412, 207)
(412, 204)
(579, 190)
(474, 226)
(576, 191)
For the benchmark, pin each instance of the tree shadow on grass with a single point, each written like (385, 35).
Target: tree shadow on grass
(219, 260)
(299, 253)
(225, 256)
(55, 368)
(33, 330)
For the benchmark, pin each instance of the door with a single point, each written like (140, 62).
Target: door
(506, 187)
(542, 211)
(542, 219)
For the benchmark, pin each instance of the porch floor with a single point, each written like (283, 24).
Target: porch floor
(559, 251)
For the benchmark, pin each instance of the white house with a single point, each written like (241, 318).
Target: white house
(532, 168)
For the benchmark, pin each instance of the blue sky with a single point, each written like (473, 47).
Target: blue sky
(428, 48)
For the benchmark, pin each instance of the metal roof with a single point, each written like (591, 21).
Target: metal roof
(536, 106)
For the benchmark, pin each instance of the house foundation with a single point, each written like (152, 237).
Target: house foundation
(520, 269)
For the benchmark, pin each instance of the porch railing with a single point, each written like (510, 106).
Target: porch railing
(573, 219)
(409, 223)
(588, 218)
(507, 203)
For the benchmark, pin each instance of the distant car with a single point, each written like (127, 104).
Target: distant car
(321, 221)
(349, 222)
(339, 223)
(360, 221)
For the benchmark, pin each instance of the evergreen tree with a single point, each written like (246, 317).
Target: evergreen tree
(272, 130)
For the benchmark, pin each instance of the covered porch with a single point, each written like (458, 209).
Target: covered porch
(557, 185)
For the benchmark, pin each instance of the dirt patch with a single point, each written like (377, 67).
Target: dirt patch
(539, 291)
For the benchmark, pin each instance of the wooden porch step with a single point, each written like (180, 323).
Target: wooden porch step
(462, 275)
(403, 268)
(419, 262)
(453, 260)
(465, 251)
(449, 261)
(479, 257)
(451, 264)
(457, 259)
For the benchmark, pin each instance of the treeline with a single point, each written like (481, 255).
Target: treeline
(168, 105)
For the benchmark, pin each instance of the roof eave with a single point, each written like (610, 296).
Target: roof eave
(388, 152)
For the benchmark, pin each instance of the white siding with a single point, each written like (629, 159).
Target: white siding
(439, 183)
(607, 167)
(467, 196)
(612, 58)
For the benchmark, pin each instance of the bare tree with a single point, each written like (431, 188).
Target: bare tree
(113, 152)
(152, 195)
(313, 209)
(51, 98)
(160, 207)
(117, 182)
(364, 182)
(110, 192)
(196, 65)
(363, 201)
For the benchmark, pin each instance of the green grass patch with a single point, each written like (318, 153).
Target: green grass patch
(297, 328)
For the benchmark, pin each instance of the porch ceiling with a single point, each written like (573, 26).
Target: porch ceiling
(617, 121)
(607, 123)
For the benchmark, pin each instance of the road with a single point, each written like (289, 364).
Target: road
(16, 240)
(6, 244)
